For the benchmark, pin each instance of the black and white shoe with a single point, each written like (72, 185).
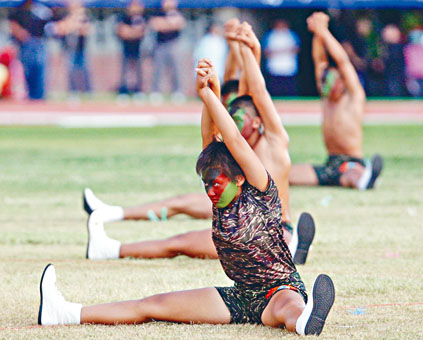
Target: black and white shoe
(54, 309)
(321, 299)
(305, 231)
(377, 166)
(371, 173)
(90, 201)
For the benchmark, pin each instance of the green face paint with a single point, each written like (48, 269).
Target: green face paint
(239, 118)
(229, 98)
(329, 83)
(220, 189)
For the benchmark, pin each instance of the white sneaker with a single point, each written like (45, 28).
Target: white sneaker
(100, 246)
(54, 309)
(320, 302)
(110, 213)
(90, 201)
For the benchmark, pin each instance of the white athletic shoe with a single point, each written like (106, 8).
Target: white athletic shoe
(91, 202)
(54, 309)
(320, 301)
(371, 173)
(111, 213)
(100, 246)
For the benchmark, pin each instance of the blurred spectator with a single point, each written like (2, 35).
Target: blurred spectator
(281, 46)
(78, 27)
(168, 23)
(131, 30)
(213, 46)
(413, 53)
(27, 25)
(394, 61)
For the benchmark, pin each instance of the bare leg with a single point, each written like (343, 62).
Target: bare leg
(196, 205)
(197, 306)
(284, 309)
(303, 174)
(194, 244)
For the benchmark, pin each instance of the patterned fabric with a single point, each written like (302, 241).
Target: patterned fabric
(247, 305)
(336, 165)
(248, 236)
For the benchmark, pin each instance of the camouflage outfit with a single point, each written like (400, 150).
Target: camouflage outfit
(248, 236)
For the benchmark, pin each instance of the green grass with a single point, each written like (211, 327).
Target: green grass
(43, 172)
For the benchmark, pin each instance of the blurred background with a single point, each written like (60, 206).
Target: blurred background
(122, 50)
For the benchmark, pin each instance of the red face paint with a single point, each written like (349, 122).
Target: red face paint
(220, 189)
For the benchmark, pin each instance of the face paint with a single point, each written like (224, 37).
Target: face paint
(243, 122)
(220, 189)
(329, 83)
(228, 99)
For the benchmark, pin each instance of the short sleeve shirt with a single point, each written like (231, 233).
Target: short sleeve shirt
(33, 19)
(163, 37)
(248, 236)
(131, 47)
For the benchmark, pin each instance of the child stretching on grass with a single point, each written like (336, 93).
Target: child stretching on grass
(249, 239)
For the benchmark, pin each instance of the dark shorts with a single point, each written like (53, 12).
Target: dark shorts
(336, 165)
(247, 305)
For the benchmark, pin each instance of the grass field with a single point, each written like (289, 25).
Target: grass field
(370, 243)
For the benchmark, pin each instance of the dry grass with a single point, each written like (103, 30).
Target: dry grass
(42, 174)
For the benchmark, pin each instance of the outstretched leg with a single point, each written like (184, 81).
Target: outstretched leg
(303, 174)
(196, 205)
(286, 308)
(197, 244)
(196, 306)
(194, 244)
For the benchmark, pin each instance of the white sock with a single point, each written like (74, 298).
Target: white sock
(293, 244)
(73, 314)
(305, 316)
(111, 213)
(365, 177)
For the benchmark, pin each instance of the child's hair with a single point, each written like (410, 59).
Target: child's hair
(244, 102)
(217, 156)
(229, 86)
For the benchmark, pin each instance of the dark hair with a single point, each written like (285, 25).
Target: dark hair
(229, 86)
(217, 156)
(244, 101)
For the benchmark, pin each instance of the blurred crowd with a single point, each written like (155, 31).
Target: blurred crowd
(157, 48)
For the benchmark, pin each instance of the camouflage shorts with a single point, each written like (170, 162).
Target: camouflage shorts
(247, 305)
(336, 165)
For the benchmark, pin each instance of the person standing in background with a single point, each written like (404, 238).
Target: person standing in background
(74, 41)
(131, 30)
(168, 24)
(281, 46)
(213, 46)
(27, 24)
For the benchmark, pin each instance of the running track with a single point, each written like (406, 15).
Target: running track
(112, 114)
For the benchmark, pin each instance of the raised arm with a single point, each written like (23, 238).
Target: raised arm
(246, 158)
(209, 131)
(257, 85)
(233, 59)
(318, 25)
